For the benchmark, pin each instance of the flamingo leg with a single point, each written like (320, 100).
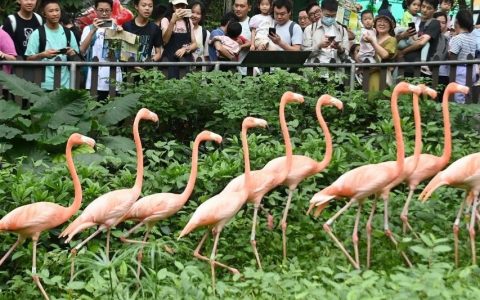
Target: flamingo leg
(355, 234)
(284, 224)
(456, 225)
(140, 252)
(15, 245)
(107, 248)
(74, 251)
(253, 241)
(472, 229)
(404, 215)
(198, 255)
(389, 233)
(34, 269)
(369, 231)
(124, 237)
(212, 258)
(269, 217)
(327, 228)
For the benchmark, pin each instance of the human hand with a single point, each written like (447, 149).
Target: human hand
(252, 47)
(180, 52)
(181, 13)
(275, 38)
(97, 23)
(71, 51)
(119, 28)
(50, 53)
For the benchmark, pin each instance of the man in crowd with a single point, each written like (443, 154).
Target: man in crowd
(241, 8)
(21, 24)
(56, 42)
(314, 12)
(287, 35)
(326, 38)
(303, 20)
(220, 31)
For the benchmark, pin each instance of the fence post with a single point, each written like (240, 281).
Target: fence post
(73, 75)
(352, 77)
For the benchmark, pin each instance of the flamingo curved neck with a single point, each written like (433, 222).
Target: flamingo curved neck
(418, 132)
(447, 147)
(328, 139)
(286, 138)
(138, 147)
(246, 158)
(77, 201)
(193, 171)
(398, 132)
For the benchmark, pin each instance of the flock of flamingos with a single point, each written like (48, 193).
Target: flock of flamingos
(114, 207)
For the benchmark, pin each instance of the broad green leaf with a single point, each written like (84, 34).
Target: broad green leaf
(117, 110)
(8, 132)
(442, 248)
(8, 110)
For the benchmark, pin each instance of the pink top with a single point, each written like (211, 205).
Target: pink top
(7, 47)
(230, 45)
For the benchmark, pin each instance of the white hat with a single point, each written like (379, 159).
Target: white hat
(175, 2)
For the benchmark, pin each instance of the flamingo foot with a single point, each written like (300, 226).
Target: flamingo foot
(36, 279)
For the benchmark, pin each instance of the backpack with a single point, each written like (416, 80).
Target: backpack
(42, 36)
(13, 20)
(441, 52)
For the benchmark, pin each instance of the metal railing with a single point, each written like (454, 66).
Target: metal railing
(34, 71)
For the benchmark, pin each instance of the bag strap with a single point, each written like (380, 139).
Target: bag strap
(13, 22)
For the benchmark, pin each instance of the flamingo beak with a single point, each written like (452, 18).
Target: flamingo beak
(310, 208)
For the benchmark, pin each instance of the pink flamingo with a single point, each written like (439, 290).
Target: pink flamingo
(463, 173)
(153, 208)
(29, 221)
(266, 179)
(429, 164)
(218, 210)
(107, 210)
(362, 182)
(303, 166)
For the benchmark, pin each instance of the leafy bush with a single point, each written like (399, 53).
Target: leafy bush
(315, 268)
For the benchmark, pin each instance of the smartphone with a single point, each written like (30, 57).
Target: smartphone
(272, 31)
(189, 12)
(62, 51)
(411, 25)
(106, 23)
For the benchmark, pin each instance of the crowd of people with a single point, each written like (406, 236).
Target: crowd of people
(427, 31)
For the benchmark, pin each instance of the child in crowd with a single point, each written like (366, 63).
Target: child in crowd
(366, 51)
(410, 15)
(446, 6)
(227, 46)
(259, 25)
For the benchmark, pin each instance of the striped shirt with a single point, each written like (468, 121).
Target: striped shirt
(462, 45)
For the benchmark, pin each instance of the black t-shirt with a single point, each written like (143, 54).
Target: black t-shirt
(22, 32)
(150, 36)
(432, 28)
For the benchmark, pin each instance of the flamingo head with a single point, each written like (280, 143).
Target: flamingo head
(428, 91)
(79, 139)
(405, 87)
(211, 136)
(250, 122)
(454, 87)
(147, 115)
(291, 97)
(320, 200)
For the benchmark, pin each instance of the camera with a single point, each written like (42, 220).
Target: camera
(106, 23)
(62, 51)
(272, 31)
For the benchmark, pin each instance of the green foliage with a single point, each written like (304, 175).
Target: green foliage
(315, 269)
(52, 117)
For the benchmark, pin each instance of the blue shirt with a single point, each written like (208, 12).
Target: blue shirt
(212, 52)
(56, 39)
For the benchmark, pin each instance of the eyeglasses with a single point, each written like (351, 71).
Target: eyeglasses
(104, 11)
(315, 13)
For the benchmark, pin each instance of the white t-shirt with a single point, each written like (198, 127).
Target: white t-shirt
(284, 32)
(261, 24)
(246, 28)
(201, 48)
(100, 50)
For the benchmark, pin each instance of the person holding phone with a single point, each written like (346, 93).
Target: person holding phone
(55, 39)
(178, 35)
(93, 44)
(326, 38)
(285, 35)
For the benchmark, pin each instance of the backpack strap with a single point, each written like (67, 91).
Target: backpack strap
(204, 36)
(42, 37)
(13, 22)
(290, 29)
(39, 18)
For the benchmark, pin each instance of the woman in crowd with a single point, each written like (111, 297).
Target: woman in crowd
(7, 50)
(178, 35)
(385, 48)
(202, 35)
